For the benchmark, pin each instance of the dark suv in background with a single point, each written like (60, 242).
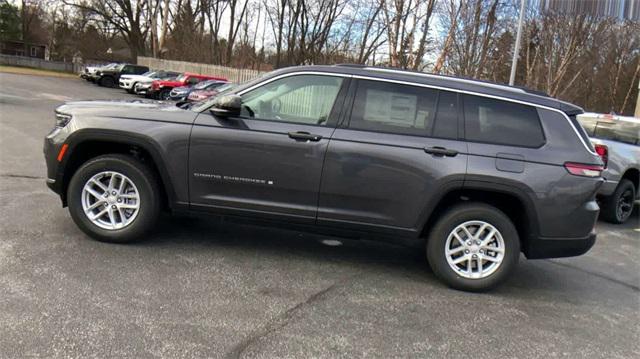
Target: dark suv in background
(109, 77)
(473, 172)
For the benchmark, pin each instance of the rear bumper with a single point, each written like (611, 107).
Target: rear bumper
(559, 247)
(607, 188)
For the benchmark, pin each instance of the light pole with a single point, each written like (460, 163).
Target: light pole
(637, 112)
(516, 50)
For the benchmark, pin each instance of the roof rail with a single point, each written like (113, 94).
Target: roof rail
(448, 77)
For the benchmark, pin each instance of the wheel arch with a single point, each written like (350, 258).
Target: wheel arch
(87, 144)
(633, 175)
(514, 202)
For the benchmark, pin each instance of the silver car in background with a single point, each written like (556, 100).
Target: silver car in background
(617, 140)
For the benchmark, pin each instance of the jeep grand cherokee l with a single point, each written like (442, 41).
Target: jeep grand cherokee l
(472, 172)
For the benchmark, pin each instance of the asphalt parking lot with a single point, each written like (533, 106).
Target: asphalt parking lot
(198, 288)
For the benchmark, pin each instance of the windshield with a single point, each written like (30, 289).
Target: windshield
(204, 84)
(148, 73)
(181, 78)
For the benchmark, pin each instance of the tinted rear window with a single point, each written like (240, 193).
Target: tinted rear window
(501, 122)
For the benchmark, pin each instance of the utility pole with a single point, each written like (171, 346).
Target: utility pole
(516, 50)
(637, 112)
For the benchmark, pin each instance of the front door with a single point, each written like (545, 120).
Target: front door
(268, 161)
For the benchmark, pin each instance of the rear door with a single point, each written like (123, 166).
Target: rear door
(393, 159)
(269, 160)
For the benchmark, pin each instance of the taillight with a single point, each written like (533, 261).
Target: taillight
(603, 152)
(580, 169)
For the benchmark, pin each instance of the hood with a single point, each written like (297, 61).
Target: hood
(136, 77)
(113, 113)
(134, 108)
(181, 89)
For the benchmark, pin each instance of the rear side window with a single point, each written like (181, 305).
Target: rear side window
(501, 122)
(393, 108)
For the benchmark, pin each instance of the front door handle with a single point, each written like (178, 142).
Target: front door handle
(440, 151)
(304, 136)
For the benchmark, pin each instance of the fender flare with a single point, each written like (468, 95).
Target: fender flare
(498, 186)
(125, 138)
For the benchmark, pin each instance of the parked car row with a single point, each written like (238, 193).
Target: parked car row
(156, 84)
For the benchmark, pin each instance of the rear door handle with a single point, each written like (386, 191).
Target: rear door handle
(440, 151)
(304, 136)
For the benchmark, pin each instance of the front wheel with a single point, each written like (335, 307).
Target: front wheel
(114, 198)
(473, 247)
(164, 94)
(107, 81)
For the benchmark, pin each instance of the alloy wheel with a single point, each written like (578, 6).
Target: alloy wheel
(625, 205)
(475, 249)
(110, 200)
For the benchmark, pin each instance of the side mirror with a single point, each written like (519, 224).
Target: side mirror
(227, 106)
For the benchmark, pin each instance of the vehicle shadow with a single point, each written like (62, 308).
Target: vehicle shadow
(408, 264)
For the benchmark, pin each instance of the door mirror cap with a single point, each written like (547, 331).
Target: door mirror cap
(227, 106)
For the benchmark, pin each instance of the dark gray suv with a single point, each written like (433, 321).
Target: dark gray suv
(473, 172)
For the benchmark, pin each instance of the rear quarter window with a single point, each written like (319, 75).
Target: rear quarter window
(501, 122)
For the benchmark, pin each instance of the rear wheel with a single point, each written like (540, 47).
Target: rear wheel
(618, 207)
(114, 198)
(473, 247)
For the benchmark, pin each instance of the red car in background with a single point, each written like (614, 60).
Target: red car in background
(160, 89)
(201, 95)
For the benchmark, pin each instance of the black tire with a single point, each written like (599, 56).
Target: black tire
(623, 196)
(144, 179)
(131, 90)
(164, 94)
(457, 215)
(107, 81)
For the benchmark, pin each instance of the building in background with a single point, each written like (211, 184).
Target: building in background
(20, 48)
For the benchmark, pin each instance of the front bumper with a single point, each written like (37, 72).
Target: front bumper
(559, 247)
(51, 148)
(126, 85)
(142, 89)
(178, 97)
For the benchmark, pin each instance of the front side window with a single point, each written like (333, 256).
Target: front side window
(501, 122)
(393, 108)
(305, 99)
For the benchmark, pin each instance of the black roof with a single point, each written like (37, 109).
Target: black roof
(454, 83)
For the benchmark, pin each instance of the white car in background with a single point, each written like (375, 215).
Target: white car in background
(128, 82)
(90, 71)
(617, 140)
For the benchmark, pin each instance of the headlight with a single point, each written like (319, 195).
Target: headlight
(62, 119)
